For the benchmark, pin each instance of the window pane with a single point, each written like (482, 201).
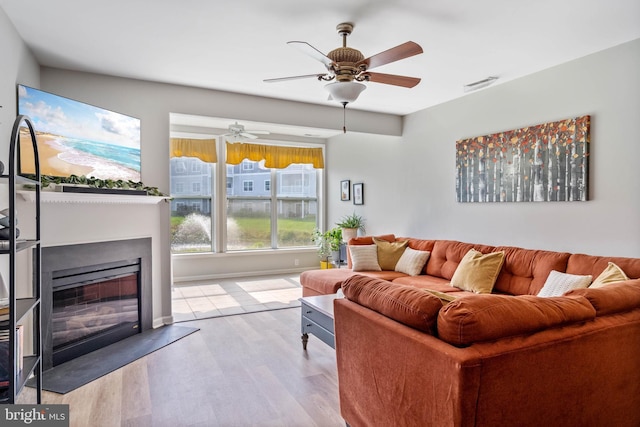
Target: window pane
(248, 224)
(190, 225)
(297, 181)
(191, 185)
(296, 221)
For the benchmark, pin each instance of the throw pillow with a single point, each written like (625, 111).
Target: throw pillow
(364, 257)
(611, 274)
(389, 253)
(412, 261)
(477, 272)
(558, 283)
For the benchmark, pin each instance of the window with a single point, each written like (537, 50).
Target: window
(179, 167)
(270, 203)
(294, 205)
(191, 216)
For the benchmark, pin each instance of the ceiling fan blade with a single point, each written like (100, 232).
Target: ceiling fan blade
(397, 53)
(247, 135)
(392, 79)
(306, 48)
(282, 79)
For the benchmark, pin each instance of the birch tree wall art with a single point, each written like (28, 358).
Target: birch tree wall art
(542, 163)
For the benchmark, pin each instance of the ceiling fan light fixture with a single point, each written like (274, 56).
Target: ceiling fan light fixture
(345, 92)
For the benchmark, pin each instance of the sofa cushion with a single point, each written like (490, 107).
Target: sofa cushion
(364, 257)
(477, 318)
(613, 298)
(447, 254)
(477, 272)
(412, 261)
(594, 265)
(405, 304)
(389, 253)
(524, 271)
(558, 283)
(611, 274)
(323, 282)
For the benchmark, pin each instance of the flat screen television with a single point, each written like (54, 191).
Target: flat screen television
(75, 138)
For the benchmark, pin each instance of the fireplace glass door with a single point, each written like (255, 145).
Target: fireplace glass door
(87, 316)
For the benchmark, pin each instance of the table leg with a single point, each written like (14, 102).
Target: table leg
(305, 339)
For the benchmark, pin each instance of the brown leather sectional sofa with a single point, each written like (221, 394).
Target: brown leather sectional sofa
(407, 357)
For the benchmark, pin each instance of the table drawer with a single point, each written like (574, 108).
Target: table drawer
(318, 317)
(311, 327)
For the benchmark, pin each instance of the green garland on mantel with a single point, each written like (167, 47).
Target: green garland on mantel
(94, 182)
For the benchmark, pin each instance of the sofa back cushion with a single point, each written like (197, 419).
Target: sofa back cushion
(525, 271)
(594, 265)
(447, 254)
(408, 305)
(477, 318)
(612, 298)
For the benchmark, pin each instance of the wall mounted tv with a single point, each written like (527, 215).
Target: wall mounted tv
(75, 138)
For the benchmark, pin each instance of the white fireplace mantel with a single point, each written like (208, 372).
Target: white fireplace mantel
(61, 197)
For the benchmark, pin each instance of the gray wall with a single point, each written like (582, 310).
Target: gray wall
(410, 181)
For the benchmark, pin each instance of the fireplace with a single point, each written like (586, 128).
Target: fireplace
(93, 295)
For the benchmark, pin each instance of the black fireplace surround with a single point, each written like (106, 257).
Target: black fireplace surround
(103, 288)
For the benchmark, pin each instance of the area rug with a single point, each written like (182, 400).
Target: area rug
(75, 373)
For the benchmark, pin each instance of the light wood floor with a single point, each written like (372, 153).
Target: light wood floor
(242, 370)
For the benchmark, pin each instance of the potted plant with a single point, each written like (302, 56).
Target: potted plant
(328, 244)
(350, 224)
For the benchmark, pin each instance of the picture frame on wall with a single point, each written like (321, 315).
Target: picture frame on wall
(345, 190)
(358, 194)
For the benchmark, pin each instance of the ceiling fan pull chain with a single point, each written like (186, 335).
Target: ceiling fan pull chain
(344, 117)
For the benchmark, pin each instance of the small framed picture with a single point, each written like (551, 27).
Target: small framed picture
(345, 190)
(358, 194)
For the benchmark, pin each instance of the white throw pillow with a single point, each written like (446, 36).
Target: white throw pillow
(558, 283)
(364, 257)
(412, 261)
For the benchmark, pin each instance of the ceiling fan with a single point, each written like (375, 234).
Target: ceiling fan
(237, 130)
(347, 66)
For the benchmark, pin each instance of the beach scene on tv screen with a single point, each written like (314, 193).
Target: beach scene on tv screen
(75, 138)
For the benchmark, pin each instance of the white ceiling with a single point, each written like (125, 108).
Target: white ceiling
(234, 45)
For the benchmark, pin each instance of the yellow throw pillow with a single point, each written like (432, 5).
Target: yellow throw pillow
(611, 274)
(389, 253)
(477, 272)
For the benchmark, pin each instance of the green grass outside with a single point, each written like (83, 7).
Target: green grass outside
(256, 232)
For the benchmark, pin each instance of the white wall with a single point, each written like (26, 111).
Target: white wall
(17, 63)
(410, 181)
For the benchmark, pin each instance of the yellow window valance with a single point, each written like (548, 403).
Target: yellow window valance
(203, 149)
(278, 157)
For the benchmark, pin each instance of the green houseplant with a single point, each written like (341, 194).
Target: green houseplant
(328, 244)
(350, 225)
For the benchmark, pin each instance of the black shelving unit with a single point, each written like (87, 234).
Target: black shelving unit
(26, 309)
